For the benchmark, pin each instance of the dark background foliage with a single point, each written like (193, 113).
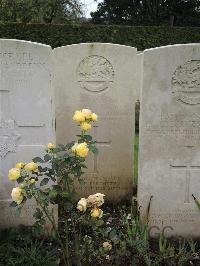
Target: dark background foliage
(148, 12)
(142, 37)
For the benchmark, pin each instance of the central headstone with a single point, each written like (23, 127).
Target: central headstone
(101, 77)
(26, 115)
(169, 176)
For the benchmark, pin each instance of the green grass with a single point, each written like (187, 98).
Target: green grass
(20, 247)
(136, 148)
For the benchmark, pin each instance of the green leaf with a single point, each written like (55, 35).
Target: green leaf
(99, 222)
(69, 145)
(13, 204)
(47, 157)
(53, 178)
(53, 194)
(93, 149)
(57, 149)
(66, 155)
(42, 169)
(113, 234)
(29, 195)
(44, 181)
(83, 166)
(61, 146)
(20, 179)
(87, 137)
(38, 214)
(65, 194)
(37, 160)
(57, 188)
(51, 171)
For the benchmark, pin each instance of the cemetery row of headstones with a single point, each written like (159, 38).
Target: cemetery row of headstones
(108, 79)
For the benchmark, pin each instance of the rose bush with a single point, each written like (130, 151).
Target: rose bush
(50, 180)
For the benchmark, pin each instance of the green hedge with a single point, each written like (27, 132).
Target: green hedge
(141, 37)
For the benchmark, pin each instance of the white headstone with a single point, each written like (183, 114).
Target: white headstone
(140, 57)
(101, 77)
(26, 115)
(170, 140)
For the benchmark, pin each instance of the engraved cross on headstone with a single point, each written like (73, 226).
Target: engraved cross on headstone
(98, 144)
(188, 166)
(8, 133)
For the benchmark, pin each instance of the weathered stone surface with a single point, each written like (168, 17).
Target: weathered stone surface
(170, 140)
(140, 57)
(101, 77)
(26, 114)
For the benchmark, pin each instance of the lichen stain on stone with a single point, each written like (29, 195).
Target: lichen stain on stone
(91, 47)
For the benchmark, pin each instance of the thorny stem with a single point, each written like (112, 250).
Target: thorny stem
(67, 241)
(52, 220)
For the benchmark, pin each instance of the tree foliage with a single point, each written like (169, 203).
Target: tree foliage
(148, 12)
(39, 11)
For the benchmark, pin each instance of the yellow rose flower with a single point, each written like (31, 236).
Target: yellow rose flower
(96, 212)
(20, 165)
(82, 149)
(17, 195)
(32, 181)
(95, 200)
(14, 174)
(74, 147)
(31, 167)
(50, 145)
(94, 117)
(85, 126)
(79, 116)
(107, 246)
(82, 205)
(87, 113)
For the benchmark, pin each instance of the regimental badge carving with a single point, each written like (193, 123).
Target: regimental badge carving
(186, 82)
(95, 73)
(8, 137)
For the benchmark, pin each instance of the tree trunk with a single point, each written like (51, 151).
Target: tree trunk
(171, 20)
